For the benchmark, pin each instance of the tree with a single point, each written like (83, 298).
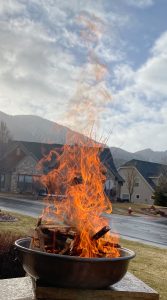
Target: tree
(130, 181)
(5, 137)
(160, 194)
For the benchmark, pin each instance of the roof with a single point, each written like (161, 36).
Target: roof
(38, 150)
(147, 169)
(107, 159)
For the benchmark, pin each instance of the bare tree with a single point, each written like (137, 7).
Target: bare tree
(130, 180)
(5, 137)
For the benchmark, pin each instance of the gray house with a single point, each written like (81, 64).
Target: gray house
(19, 172)
(141, 177)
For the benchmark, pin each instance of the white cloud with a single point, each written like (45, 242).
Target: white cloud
(42, 56)
(11, 6)
(139, 109)
(39, 67)
(153, 74)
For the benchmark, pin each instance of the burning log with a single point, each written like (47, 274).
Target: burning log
(54, 238)
(65, 240)
(101, 233)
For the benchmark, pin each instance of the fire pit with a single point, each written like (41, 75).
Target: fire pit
(72, 245)
(71, 271)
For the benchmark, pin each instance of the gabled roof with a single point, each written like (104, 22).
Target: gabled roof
(107, 159)
(147, 169)
(38, 150)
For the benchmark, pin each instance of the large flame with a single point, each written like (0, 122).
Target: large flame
(76, 171)
(79, 176)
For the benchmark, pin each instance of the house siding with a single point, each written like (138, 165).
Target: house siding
(144, 191)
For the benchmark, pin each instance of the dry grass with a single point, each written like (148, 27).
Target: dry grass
(122, 208)
(150, 265)
(21, 227)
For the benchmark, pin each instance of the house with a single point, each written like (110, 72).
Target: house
(19, 172)
(140, 180)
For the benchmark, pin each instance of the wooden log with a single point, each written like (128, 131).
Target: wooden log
(40, 238)
(101, 233)
(66, 249)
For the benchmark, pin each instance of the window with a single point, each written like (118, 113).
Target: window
(137, 196)
(28, 179)
(125, 196)
(25, 179)
(21, 178)
(109, 184)
(136, 181)
(25, 183)
(2, 180)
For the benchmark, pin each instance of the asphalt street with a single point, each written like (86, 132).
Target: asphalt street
(146, 229)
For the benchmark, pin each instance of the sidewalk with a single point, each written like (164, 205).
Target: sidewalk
(22, 198)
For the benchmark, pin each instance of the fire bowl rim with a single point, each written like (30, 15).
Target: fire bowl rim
(131, 253)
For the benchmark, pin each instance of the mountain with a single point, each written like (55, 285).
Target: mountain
(35, 129)
(121, 156)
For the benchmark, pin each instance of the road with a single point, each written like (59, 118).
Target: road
(146, 229)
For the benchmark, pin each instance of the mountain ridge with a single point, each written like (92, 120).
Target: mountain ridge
(121, 156)
(33, 128)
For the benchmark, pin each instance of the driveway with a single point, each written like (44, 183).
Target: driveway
(146, 229)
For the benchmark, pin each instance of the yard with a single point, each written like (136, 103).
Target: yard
(149, 263)
(137, 209)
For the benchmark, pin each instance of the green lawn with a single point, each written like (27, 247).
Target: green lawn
(149, 264)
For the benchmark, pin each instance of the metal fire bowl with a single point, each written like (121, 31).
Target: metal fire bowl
(72, 271)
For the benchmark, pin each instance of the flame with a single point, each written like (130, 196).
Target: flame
(79, 176)
(76, 171)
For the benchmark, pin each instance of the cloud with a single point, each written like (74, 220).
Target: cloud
(43, 55)
(139, 109)
(140, 3)
(153, 74)
(8, 7)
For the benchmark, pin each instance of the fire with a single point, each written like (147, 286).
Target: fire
(79, 175)
(76, 171)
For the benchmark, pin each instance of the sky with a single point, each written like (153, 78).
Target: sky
(82, 61)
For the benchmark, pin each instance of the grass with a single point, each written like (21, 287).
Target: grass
(149, 264)
(122, 208)
(22, 226)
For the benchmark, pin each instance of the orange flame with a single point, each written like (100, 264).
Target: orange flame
(76, 171)
(79, 176)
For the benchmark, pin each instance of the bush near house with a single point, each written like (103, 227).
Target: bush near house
(9, 266)
(9, 233)
(160, 195)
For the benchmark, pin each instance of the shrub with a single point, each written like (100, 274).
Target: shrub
(9, 266)
(160, 195)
